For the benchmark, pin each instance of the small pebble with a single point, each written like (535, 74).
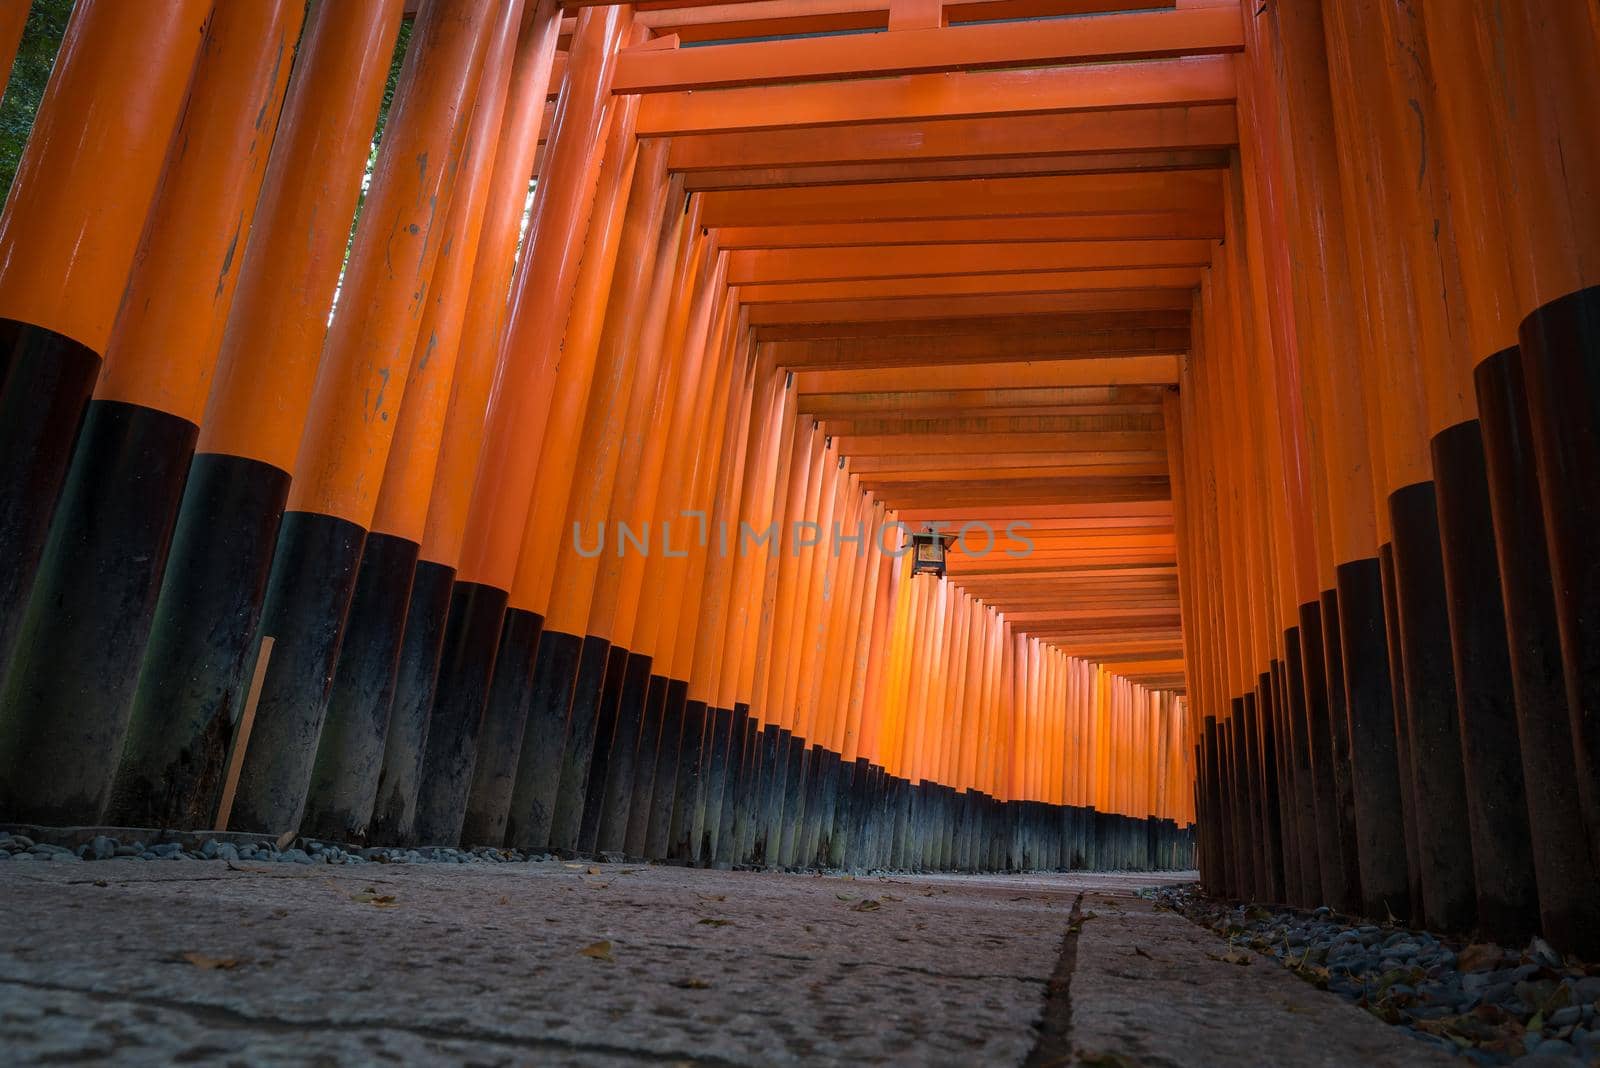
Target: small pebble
(1563, 1017)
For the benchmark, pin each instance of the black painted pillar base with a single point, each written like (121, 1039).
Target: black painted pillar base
(308, 596)
(1444, 841)
(470, 724)
(721, 763)
(64, 705)
(752, 780)
(1497, 802)
(810, 832)
(1567, 873)
(1561, 372)
(533, 794)
(1305, 799)
(197, 662)
(394, 810)
(644, 770)
(47, 384)
(1271, 803)
(1294, 890)
(791, 809)
(1344, 801)
(688, 818)
(344, 779)
(739, 768)
(621, 761)
(576, 750)
(764, 846)
(1380, 826)
(664, 792)
(605, 740)
(1402, 727)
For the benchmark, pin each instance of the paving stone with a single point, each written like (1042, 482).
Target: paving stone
(548, 962)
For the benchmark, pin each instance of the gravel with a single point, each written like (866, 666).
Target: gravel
(1489, 1004)
(299, 851)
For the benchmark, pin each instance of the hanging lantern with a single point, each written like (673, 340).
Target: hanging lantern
(928, 550)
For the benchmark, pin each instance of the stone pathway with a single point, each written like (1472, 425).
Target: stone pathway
(557, 963)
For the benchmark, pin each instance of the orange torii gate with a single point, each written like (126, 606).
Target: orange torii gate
(1242, 353)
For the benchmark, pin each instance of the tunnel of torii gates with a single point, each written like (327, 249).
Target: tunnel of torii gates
(1250, 353)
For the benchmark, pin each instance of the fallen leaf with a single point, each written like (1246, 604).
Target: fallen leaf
(845, 897)
(597, 951)
(591, 871)
(891, 897)
(866, 905)
(101, 882)
(1232, 956)
(370, 896)
(1478, 956)
(504, 900)
(285, 839)
(712, 897)
(692, 984)
(208, 964)
(709, 922)
(1139, 952)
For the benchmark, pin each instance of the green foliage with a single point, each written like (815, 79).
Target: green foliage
(47, 23)
(401, 45)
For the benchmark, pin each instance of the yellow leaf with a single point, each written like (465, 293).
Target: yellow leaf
(207, 964)
(597, 951)
(285, 838)
(371, 897)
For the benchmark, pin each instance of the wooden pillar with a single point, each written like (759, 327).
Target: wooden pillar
(424, 655)
(355, 406)
(199, 655)
(81, 641)
(350, 753)
(67, 242)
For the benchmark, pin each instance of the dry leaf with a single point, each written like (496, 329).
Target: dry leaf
(709, 922)
(285, 838)
(1232, 956)
(597, 951)
(692, 984)
(712, 897)
(866, 905)
(207, 964)
(591, 871)
(1139, 952)
(504, 900)
(1478, 956)
(370, 896)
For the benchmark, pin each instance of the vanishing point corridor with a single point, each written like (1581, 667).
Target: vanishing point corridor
(800, 531)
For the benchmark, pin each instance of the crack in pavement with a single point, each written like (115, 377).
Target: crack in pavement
(1054, 1044)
